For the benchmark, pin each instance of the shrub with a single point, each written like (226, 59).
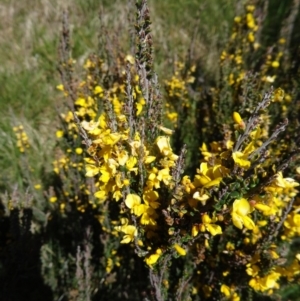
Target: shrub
(189, 194)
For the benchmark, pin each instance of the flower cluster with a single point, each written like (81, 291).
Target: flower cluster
(22, 138)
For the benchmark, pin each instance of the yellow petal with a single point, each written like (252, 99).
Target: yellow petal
(237, 220)
(248, 222)
(138, 210)
(149, 159)
(206, 219)
(150, 196)
(102, 195)
(241, 160)
(201, 197)
(195, 230)
(80, 102)
(59, 134)
(180, 250)
(98, 90)
(241, 207)
(214, 182)
(91, 170)
(237, 117)
(152, 259)
(214, 229)
(262, 207)
(225, 290)
(201, 180)
(132, 200)
(164, 146)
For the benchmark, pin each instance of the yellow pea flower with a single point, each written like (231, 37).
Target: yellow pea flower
(181, 251)
(241, 208)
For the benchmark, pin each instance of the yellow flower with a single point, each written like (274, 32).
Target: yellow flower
(251, 37)
(275, 64)
(241, 208)
(60, 87)
(164, 176)
(225, 290)
(237, 118)
(101, 195)
(250, 21)
(129, 58)
(278, 95)
(265, 283)
(91, 170)
(241, 159)
(207, 223)
(53, 199)
(166, 130)
(150, 197)
(237, 19)
(262, 207)
(81, 102)
(180, 250)
(250, 8)
(130, 232)
(164, 146)
(78, 150)
(132, 201)
(152, 259)
(209, 176)
(201, 196)
(59, 134)
(98, 90)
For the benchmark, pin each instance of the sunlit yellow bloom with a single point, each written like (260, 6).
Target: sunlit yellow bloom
(251, 37)
(78, 150)
(241, 159)
(152, 259)
(225, 290)
(59, 134)
(202, 197)
(250, 21)
(209, 176)
(98, 90)
(230, 246)
(241, 208)
(91, 127)
(250, 8)
(180, 250)
(164, 146)
(238, 119)
(278, 95)
(164, 175)
(131, 162)
(149, 159)
(207, 224)
(166, 130)
(132, 201)
(81, 102)
(37, 186)
(53, 199)
(265, 283)
(130, 232)
(122, 157)
(237, 19)
(60, 87)
(129, 58)
(150, 197)
(101, 195)
(275, 64)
